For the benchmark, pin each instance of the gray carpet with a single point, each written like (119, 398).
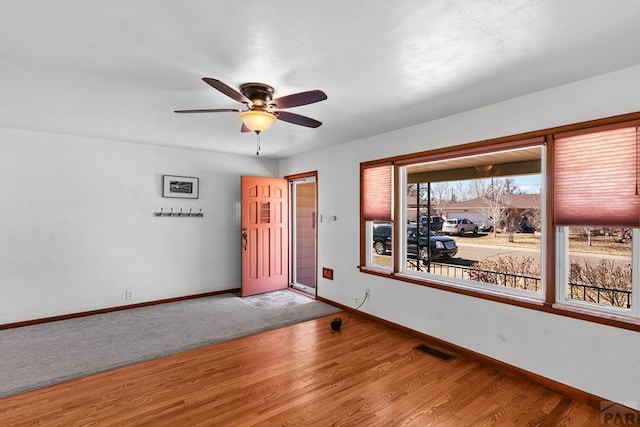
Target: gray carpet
(50, 353)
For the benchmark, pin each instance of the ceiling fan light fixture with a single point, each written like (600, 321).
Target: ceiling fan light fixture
(257, 120)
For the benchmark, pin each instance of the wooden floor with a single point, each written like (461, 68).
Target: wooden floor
(302, 375)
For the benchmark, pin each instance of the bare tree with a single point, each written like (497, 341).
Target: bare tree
(605, 282)
(440, 192)
(536, 217)
(495, 190)
(479, 188)
(412, 192)
(511, 219)
(509, 271)
(498, 201)
(588, 231)
(462, 190)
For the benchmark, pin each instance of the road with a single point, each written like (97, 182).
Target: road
(475, 252)
(468, 253)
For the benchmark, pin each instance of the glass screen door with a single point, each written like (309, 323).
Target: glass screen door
(303, 193)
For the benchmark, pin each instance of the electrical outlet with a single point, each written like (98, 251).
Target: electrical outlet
(128, 295)
(356, 300)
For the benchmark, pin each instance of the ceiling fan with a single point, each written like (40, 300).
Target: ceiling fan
(261, 110)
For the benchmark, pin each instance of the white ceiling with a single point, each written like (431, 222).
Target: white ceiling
(117, 69)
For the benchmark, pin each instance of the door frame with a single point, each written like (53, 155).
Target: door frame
(292, 246)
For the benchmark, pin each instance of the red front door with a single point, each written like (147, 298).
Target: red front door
(264, 235)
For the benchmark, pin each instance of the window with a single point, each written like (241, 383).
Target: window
(596, 269)
(598, 217)
(382, 249)
(376, 200)
(548, 222)
(485, 215)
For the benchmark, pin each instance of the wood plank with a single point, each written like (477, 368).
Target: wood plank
(366, 374)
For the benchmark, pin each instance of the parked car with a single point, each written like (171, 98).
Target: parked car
(525, 227)
(435, 222)
(382, 238)
(441, 246)
(459, 226)
(484, 228)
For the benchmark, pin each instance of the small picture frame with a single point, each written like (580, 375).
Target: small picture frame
(182, 187)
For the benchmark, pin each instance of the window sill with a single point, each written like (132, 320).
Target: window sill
(472, 291)
(605, 318)
(375, 271)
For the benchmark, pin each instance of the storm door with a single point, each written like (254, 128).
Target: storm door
(304, 217)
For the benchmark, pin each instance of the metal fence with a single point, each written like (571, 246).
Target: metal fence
(486, 276)
(577, 291)
(612, 297)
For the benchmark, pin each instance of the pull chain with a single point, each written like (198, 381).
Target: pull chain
(258, 143)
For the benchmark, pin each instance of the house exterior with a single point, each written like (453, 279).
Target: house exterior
(523, 207)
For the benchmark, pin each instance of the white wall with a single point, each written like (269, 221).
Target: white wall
(77, 227)
(602, 360)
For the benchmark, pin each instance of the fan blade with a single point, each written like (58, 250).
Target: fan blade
(244, 128)
(297, 119)
(227, 90)
(296, 99)
(208, 110)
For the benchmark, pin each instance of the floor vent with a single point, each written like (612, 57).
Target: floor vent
(434, 352)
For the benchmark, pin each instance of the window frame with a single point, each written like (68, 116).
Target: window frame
(562, 270)
(495, 149)
(367, 221)
(552, 284)
(368, 227)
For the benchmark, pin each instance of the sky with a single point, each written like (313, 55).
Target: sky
(531, 184)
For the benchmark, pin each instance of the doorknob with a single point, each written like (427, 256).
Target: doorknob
(245, 237)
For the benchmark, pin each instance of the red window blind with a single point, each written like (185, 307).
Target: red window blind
(377, 192)
(596, 176)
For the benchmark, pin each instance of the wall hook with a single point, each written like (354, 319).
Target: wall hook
(181, 213)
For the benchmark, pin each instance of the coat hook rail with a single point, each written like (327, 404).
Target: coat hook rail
(180, 213)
